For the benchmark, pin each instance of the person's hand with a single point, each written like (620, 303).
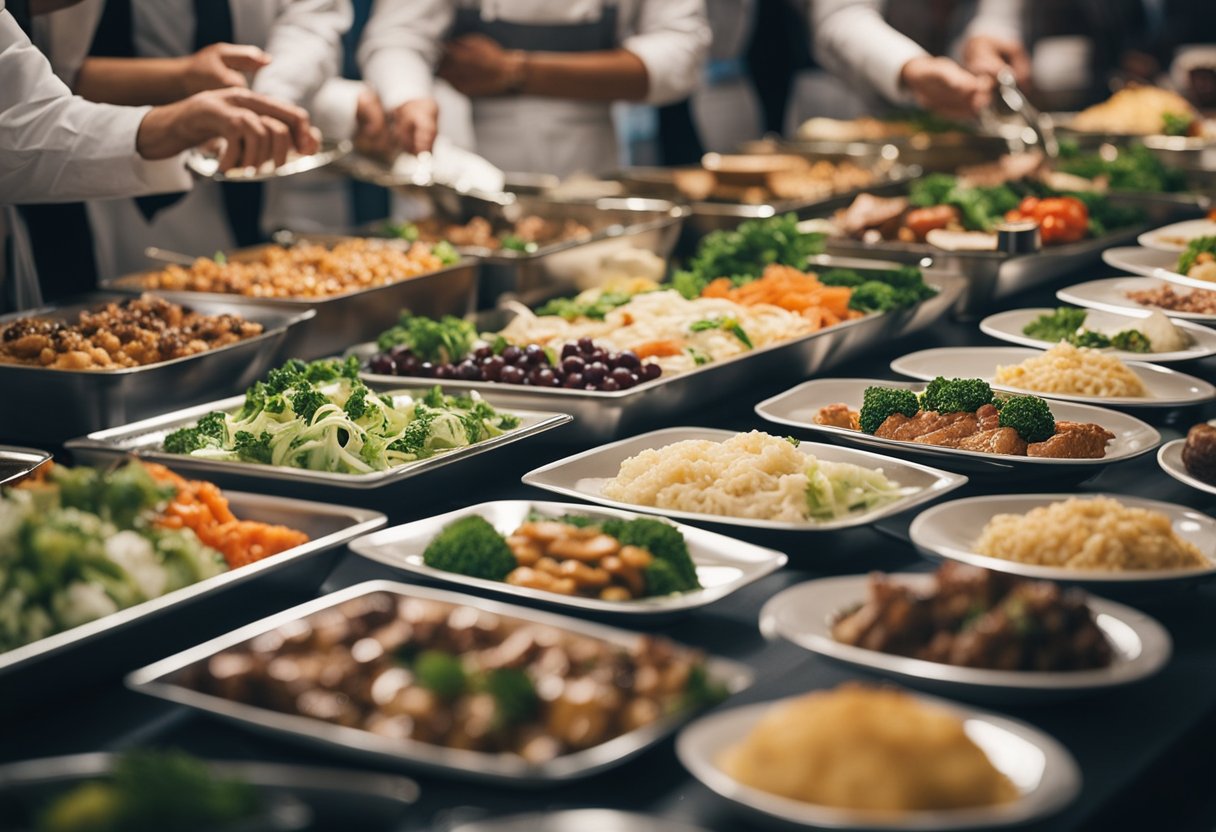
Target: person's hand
(219, 66)
(986, 56)
(372, 134)
(943, 87)
(255, 128)
(414, 125)
(478, 67)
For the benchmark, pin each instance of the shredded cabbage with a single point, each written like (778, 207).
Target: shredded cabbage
(838, 489)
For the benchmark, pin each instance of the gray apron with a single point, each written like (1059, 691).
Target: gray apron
(529, 134)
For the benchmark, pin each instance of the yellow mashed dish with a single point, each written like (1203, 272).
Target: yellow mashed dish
(866, 748)
(1093, 533)
(1077, 371)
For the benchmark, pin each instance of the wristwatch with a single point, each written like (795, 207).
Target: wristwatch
(517, 72)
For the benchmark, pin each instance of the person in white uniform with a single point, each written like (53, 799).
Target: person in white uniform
(541, 74)
(145, 51)
(54, 146)
(853, 40)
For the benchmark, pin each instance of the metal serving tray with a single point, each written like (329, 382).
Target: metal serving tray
(59, 404)
(928, 151)
(602, 416)
(706, 216)
(124, 639)
(298, 797)
(993, 275)
(144, 440)
(164, 680)
(724, 565)
(17, 462)
(616, 224)
(341, 319)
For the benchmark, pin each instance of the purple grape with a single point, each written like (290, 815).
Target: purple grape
(468, 371)
(492, 367)
(623, 378)
(445, 371)
(629, 360)
(400, 352)
(483, 352)
(573, 381)
(595, 372)
(651, 371)
(426, 369)
(408, 366)
(545, 377)
(590, 386)
(512, 375)
(598, 355)
(586, 346)
(383, 364)
(573, 364)
(535, 355)
(569, 350)
(512, 354)
(609, 385)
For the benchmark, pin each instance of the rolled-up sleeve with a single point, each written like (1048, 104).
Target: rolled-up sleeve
(671, 38)
(305, 42)
(1004, 19)
(855, 43)
(401, 47)
(55, 147)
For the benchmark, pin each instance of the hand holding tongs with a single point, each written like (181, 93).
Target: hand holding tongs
(1037, 121)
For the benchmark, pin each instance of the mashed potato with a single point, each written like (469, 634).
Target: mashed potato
(1094, 533)
(866, 748)
(1078, 371)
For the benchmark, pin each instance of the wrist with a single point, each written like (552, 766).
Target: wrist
(515, 76)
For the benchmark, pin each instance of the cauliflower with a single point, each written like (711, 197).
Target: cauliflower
(81, 603)
(133, 552)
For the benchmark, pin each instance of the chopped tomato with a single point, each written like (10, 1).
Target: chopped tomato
(1061, 219)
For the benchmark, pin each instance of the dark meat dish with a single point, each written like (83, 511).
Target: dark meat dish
(979, 431)
(127, 333)
(976, 618)
(415, 669)
(1199, 453)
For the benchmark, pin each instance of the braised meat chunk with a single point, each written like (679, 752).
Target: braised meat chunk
(1073, 440)
(976, 618)
(1199, 453)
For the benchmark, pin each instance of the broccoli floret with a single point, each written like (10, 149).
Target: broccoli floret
(514, 695)
(470, 546)
(356, 403)
(441, 673)
(880, 402)
(284, 378)
(209, 432)
(661, 579)
(331, 369)
(841, 277)
(1029, 416)
(434, 397)
(1088, 338)
(1194, 248)
(662, 540)
(252, 448)
(873, 296)
(701, 691)
(307, 402)
(417, 432)
(956, 395)
(1131, 340)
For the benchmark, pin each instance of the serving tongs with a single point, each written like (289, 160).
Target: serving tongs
(1039, 122)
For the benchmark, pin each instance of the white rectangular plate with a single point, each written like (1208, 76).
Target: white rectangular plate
(583, 476)
(724, 564)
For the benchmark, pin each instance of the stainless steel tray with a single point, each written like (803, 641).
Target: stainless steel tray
(706, 216)
(928, 151)
(59, 404)
(121, 640)
(583, 476)
(310, 797)
(724, 565)
(144, 439)
(616, 224)
(17, 462)
(342, 319)
(601, 416)
(993, 275)
(163, 680)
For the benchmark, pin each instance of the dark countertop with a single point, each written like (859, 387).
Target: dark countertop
(1141, 749)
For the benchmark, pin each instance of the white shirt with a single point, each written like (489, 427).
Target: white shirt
(404, 40)
(55, 147)
(303, 38)
(854, 42)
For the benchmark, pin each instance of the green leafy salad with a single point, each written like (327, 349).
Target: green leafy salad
(320, 416)
(84, 543)
(1068, 324)
(1132, 168)
(743, 253)
(152, 791)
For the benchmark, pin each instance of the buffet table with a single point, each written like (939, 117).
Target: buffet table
(1136, 745)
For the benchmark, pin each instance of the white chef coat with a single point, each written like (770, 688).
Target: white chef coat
(404, 41)
(56, 147)
(854, 42)
(303, 38)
